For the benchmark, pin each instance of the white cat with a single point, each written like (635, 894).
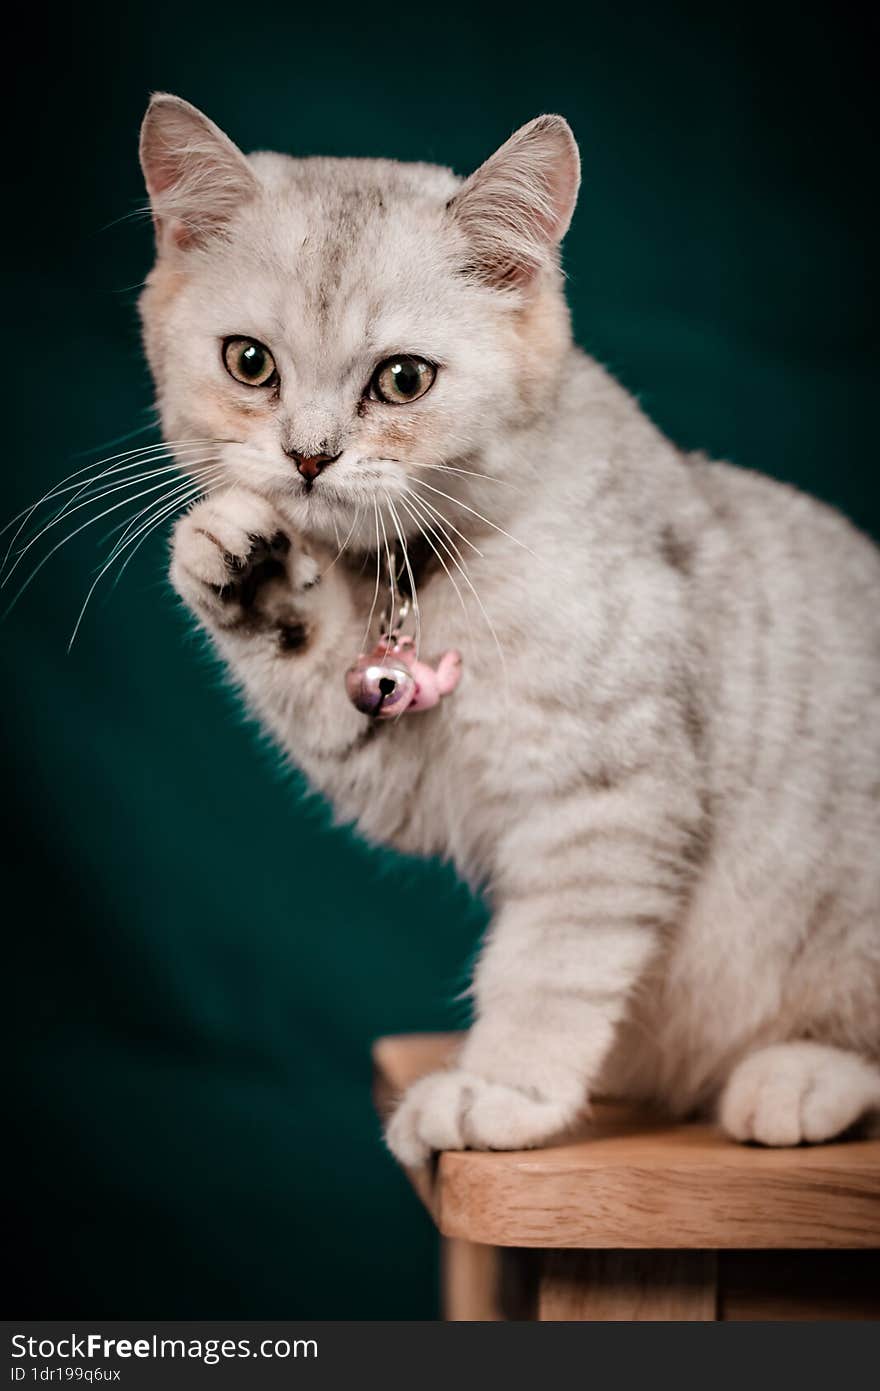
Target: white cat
(662, 762)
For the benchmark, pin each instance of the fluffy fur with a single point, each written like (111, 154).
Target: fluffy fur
(662, 762)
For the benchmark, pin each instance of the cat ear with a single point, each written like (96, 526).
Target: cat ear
(517, 206)
(195, 176)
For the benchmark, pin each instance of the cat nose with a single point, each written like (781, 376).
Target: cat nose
(310, 465)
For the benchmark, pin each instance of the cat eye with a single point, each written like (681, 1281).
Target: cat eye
(399, 380)
(249, 362)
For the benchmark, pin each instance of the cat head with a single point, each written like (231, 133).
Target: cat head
(350, 330)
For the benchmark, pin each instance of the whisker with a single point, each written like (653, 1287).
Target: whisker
(366, 639)
(437, 522)
(214, 481)
(420, 482)
(338, 554)
(412, 582)
(489, 624)
(205, 488)
(125, 502)
(132, 455)
(251, 457)
(443, 518)
(68, 509)
(471, 473)
(195, 467)
(132, 458)
(449, 573)
(150, 455)
(392, 580)
(208, 467)
(186, 493)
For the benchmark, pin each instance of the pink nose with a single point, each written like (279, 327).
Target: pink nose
(310, 465)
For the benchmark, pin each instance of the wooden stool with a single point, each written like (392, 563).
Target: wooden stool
(642, 1219)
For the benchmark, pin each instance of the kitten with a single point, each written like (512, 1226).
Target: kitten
(662, 762)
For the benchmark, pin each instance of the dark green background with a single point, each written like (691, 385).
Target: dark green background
(196, 963)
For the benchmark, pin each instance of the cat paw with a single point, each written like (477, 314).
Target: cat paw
(458, 1110)
(796, 1093)
(233, 563)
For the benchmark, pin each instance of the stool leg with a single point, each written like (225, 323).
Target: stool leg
(597, 1286)
(469, 1281)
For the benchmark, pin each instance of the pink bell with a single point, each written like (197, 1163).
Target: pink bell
(379, 686)
(391, 680)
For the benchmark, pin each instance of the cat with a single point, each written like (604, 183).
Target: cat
(662, 762)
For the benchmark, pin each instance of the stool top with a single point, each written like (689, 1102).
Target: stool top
(632, 1180)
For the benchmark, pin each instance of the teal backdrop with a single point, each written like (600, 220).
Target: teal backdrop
(195, 962)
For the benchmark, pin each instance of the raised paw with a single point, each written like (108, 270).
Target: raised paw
(459, 1110)
(796, 1093)
(234, 564)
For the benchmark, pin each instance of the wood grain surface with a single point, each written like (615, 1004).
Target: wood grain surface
(627, 1287)
(632, 1181)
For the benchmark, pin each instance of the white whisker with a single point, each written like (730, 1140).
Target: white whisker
(195, 468)
(422, 484)
(438, 524)
(342, 548)
(364, 644)
(392, 577)
(182, 495)
(489, 624)
(125, 502)
(449, 573)
(68, 510)
(471, 473)
(412, 583)
(132, 460)
(133, 454)
(205, 488)
(443, 518)
(208, 467)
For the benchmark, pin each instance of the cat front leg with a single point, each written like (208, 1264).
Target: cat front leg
(549, 997)
(584, 915)
(797, 1093)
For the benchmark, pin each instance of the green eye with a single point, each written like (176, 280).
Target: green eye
(398, 380)
(249, 362)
